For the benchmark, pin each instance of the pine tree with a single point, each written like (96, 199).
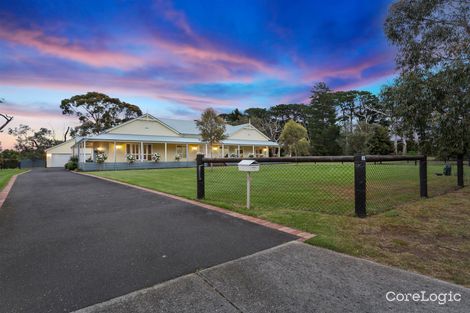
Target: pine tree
(323, 131)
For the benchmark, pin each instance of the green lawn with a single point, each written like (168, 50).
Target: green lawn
(426, 236)
(322, 187)
(6, 174)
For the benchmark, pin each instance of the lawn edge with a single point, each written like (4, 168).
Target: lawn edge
(303, 236)
(6, 190)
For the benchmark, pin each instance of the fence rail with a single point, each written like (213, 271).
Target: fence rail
(329, 184)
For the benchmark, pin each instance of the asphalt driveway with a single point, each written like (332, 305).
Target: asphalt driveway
(68, 241)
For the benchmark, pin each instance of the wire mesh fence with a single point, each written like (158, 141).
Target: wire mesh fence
(440, 182)
(326, 184)
(321, 187)
(390, 184)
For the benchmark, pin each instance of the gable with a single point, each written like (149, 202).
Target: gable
(143, 127)
(248, 133)
(65, 147)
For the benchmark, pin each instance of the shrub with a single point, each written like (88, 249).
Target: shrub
(130, 158)
(71, 166)
(156, 157)
(101, 157)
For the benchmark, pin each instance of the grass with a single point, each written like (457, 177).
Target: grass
(6, 174)
(427, 236)
(323, 187)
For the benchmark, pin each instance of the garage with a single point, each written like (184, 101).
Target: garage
(58, 155)
(59, 160)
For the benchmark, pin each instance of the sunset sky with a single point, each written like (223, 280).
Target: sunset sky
(174, 59)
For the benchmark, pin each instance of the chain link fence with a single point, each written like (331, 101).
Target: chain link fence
(324, 184)
(321, 187)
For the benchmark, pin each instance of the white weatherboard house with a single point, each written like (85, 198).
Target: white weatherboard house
(146, 135)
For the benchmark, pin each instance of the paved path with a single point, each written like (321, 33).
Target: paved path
(291, 278)
(68, 241)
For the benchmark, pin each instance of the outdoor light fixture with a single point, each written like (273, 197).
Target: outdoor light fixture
(193, 148)
(118, 146)
(100, 149)
(214, 148)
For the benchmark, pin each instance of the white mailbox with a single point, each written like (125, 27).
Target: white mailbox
(248, 166)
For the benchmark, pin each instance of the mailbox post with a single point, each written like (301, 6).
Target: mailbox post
(248, 166)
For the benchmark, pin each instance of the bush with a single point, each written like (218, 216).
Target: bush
(72, 164)
(9, 163)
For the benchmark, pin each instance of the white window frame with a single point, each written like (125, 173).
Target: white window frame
(133, 149)
(182, 152)
(148, 152)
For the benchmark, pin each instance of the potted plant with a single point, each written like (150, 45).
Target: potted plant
(130, 158)
(233, 155)
(178, 157)
(156, 157)
(101, 157)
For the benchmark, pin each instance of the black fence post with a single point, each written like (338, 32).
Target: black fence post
(423, 177)
(200, 176)
(460, 170)
(360, 185)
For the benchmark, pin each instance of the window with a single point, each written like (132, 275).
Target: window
(134, 149)
(148, 152)
(181, 150)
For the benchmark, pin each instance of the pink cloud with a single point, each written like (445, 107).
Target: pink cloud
(111, 85)
(35, 117)
(200, 51)
(62, 48)
(353, 71)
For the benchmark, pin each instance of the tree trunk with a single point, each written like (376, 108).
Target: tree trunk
(395, 144)
(405, 150)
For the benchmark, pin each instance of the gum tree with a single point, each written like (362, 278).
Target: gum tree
(98, 112)
(433, 41)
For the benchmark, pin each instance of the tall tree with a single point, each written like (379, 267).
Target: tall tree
(378, 141)
(322, 128)
(98, 112)
(236, 117)
(211, 127)
(433, 40)
(297, 112)
(429, 33)
(265, 121)
(32, 143)
(293, 137)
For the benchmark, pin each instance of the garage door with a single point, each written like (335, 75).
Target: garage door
(59, 160)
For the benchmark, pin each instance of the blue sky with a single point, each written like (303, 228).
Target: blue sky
(174, 59)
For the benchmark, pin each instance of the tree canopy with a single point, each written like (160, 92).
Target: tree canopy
(98, 112)
(429, 33)
(294, 137)
(211, 127)
(32, 143)
(431, 96)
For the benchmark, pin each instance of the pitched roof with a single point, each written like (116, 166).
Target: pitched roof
(172, 139)
(182, 127)
(189, 127)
